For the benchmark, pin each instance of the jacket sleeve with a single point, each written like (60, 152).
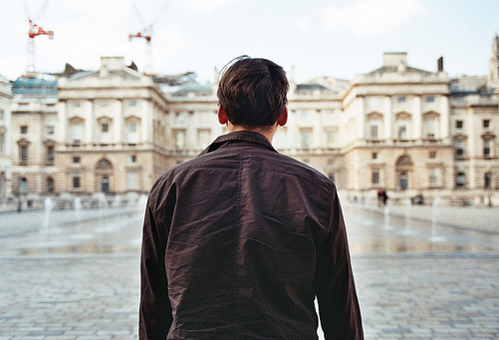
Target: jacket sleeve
(334, 283)
(155, 315)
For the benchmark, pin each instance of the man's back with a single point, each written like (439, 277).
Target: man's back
(249, 238)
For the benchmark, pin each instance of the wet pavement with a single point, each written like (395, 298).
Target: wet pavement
(420, 274)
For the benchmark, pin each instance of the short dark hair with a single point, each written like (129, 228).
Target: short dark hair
(252, 91)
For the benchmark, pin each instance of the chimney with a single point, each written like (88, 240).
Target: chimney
(440, 63)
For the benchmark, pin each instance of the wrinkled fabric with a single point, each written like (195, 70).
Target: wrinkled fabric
(238, 243)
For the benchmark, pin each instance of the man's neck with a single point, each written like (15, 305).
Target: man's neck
(267, 132)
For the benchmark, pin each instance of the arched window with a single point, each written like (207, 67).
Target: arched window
(50, 185)
(488, 180)
(460, 180)
(2, 184)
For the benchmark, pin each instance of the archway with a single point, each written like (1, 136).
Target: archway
(103, 176)
(403, 168)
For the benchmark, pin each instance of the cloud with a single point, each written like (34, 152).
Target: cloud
(372, 17)
(303, 23)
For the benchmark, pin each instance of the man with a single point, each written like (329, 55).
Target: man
(238, 242)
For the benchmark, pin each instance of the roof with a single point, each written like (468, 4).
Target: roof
(394, 69)
(198, 89)
(41, 85)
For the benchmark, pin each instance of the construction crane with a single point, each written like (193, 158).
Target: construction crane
(34, 31)
(146, 34)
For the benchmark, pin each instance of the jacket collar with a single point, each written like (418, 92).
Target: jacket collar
(239, 136)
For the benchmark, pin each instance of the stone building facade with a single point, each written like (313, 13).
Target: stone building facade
(112, 133)
(5, 130)
(406, 130)
(33, 145)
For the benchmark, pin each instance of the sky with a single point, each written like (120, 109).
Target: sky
(334, 38)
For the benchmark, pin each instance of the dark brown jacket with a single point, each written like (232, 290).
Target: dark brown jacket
(237, 244)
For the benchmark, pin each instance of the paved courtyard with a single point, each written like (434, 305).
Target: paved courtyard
(80, 280)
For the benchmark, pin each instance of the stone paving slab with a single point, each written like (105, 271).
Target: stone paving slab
(450, 296)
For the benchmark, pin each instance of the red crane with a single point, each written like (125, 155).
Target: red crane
(146, 34)
(34, 31)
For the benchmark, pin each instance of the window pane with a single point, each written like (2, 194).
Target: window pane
(77, 131)
(305, 138)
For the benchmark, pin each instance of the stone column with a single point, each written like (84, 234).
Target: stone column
(445, 118)
(90, 123)
(388, 119)
(61, 133)
(118, 118)
(361, 116)
(147, 122)
(417, 119)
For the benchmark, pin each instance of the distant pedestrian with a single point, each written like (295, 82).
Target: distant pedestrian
(382, 198)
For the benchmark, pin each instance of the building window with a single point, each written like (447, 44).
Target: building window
(132, 103)
(77, 132)
(460, 180)
(76, 103)
(2, 117)
(179, 139)
(401, 99)
(76, 159)
(75, 181)
(2, 143)
(488, 180)
(433, 177)
(402, 132)
(486, 148)
(50, 129)
(486, 123)
(330, 137)
(105, 127)
(430, 128)
(430, 99)
(374, 155)
(432, 154)
(373, 131)
(133, 134)
(132, 159)
(50, 185)
(24, 129)
(460, 148)
(375, 177)
(50, 154)
(459, 124)
(2, 184)
(305, 138)
(23, 153)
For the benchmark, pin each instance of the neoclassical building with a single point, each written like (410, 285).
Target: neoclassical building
(5, 130)
(400, 128)
(33, 125)
(112, 134)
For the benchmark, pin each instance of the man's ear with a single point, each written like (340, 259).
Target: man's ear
(283, 118)
(222, 116)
